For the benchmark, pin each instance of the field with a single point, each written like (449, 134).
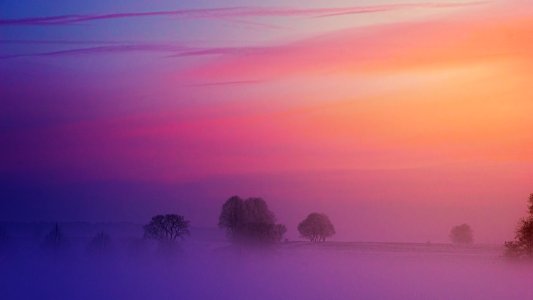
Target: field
(206, 266)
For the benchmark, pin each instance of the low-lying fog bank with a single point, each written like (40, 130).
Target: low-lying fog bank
(132, 268)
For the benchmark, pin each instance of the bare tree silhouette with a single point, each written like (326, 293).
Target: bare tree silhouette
(166, 228)
(55, 238)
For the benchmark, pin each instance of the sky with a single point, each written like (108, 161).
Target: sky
(397, 119)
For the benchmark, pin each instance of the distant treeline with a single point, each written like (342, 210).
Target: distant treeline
(245, 221)
(250, 221)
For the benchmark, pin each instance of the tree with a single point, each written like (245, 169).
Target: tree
(530, 204)
(278, 231)
(316, 227)
(462, 235)
(100, 243)
(522, 246)
(250, 220)
(166, 228)
(232, 216)
(55, 238)
(256, 211)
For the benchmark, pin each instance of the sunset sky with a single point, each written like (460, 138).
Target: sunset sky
(398, 119)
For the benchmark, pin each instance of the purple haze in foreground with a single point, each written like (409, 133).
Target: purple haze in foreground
(207, 267)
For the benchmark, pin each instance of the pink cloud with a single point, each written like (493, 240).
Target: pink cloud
(376, 49)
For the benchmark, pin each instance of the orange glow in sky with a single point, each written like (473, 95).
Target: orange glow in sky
(177, 95)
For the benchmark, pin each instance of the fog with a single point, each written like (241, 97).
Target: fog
(207, 266)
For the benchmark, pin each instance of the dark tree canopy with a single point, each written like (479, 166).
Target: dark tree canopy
(166, 228)
(256, 211)
(462, 234)
(250, 220)
(232, 215)
(522, 246)
(316, 227)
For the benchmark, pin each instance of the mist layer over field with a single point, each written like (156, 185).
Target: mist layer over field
(209, 267)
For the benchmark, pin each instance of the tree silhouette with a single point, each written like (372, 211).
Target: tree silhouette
(316, 227)
(461, 234)
(232, 216)
(166, 228)
(250, 220)
(278, 232)
(530, 204)
(522, 246)
(55, 238)
(100, 243)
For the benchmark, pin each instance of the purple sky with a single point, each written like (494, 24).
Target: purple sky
(391, 117)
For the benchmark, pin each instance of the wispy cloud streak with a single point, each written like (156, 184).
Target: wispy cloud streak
(106, 50)
(224, 51)
(403, 6)
(225, 83)
(61, 42)
(230, 12)
(173, 50)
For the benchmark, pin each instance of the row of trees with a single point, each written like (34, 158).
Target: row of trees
(56, 240)
(251, 220)
(245, 221)
(520, 247)
(163, 228)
